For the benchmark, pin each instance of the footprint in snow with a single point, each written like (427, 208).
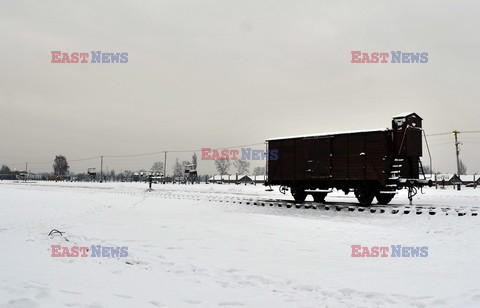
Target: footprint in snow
(21, 302)
(71, 292)
(123, 296)
(193, 302)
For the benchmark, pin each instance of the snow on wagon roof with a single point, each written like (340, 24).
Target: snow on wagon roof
(406, 114)
(331, 133)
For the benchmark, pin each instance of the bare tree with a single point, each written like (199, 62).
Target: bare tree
(259, 171)
(463, 168)
(222, 166)
(177, 168)
(60, 165)
(5, 170)
(242, 166)
(157, 166)
(127, 175)
(194, 160)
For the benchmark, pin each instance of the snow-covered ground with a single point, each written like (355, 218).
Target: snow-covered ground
(186, 251)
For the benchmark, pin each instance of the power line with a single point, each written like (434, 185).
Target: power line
(83, 159)
(439, 134)
(440, 144)
(179, 151)
(218, 148)
(51, 161)
(135, 155)
(440, 140)
(458, 132)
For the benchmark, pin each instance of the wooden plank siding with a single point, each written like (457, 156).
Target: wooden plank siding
(335, 157)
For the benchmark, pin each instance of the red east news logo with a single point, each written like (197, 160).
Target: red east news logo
(382, 57)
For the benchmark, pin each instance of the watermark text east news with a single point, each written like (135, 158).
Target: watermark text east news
(83, 57)
(247, 154)
(398, 251)
(383, 57)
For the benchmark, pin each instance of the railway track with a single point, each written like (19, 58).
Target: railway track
(248, 200)
(329, 206)
(346, 207)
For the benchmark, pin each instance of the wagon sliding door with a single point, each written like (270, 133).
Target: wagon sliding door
(315, 154)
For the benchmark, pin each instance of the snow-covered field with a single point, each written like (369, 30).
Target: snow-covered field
(186, 251)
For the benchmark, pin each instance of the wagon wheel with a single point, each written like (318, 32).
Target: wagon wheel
(364, 196)
(384, 199)
(319, 197)
(299, 194)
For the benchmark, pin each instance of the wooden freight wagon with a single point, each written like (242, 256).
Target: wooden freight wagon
(373, 163)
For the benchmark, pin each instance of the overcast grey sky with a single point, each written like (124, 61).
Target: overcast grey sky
(222, 73)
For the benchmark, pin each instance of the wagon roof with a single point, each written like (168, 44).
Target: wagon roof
(332, 133)
(406, 114)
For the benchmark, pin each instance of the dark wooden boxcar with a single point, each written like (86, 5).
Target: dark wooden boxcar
(373, 163)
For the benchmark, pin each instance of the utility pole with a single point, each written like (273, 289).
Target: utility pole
(165, 168)
(101, 169)
(457, 151)
(26, 170)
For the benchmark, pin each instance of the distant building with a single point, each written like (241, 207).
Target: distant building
(453, 179)
(259, 179)
(468, 179)
(231, 179)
